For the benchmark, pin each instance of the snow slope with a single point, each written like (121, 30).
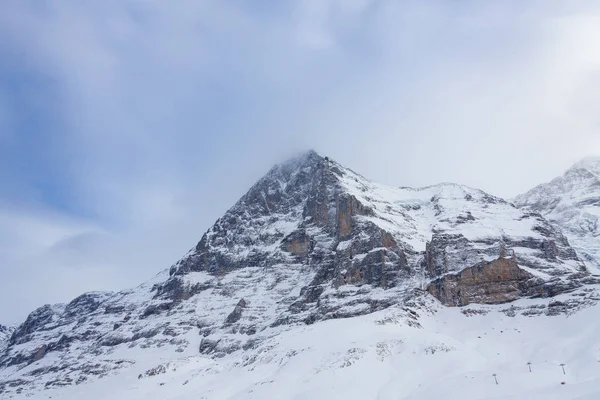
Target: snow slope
(420, 351)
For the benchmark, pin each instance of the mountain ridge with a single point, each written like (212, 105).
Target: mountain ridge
(572, 202)
(311, 241)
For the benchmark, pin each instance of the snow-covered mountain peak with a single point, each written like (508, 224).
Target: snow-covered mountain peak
(572, 202)
(295, 164)
(591, 164)
(579, 185)
(311, 241)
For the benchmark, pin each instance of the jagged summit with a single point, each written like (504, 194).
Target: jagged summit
(312, 240)
(300, 159)
(591, 164)
(284, 170)
(572, 202)
(313, 211)
(579, 183)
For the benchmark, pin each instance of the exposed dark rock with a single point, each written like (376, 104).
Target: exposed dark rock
(347, 207)
(495, 282)
(465, 218)
(453, 252)
(177, 290)
(158, 370)
(39, 353)
(34, 322)
(154, 309)
(207, 346)
(236, 314)
(84, 304)
(298, 243)
(114, 309)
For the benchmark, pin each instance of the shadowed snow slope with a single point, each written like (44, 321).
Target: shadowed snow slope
(319, 283)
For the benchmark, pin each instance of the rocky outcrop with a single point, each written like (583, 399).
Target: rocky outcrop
(39, 353)
(449, 252)
(498, 281)
(347, 208)
(236, 314)
(299, 243)
(38, 319)
(176, 289)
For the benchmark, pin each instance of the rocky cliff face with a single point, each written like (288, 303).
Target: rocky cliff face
(5, 333)
(572, 203)
(497, 281)
(310, 241)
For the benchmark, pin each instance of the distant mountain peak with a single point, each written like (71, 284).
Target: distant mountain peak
(572, 202)
(591, 164)
(302, 157)
(299, 160)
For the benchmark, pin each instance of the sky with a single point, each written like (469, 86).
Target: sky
(127, 127)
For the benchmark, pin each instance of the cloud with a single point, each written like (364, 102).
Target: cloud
(142, 122)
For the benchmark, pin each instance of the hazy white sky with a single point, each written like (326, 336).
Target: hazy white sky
(127, 127)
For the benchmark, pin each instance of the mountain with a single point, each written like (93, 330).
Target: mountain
(313, 211)
(310, 244)
(572, 202)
